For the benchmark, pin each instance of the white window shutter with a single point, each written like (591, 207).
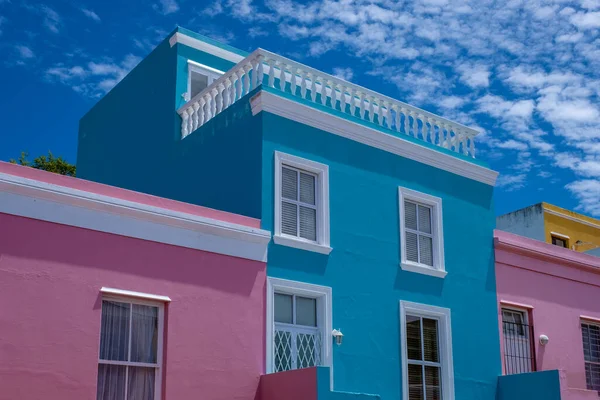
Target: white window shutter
(308, 223)
(289, 218)
(412, 250)
(426, 250)
(307, 188)
(289, 184)
(424, 219)
(410, 215)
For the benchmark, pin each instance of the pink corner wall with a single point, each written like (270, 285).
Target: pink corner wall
(299, 384)
(50, 280)
(561, 286)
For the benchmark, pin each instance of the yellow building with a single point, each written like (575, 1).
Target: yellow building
(556, 225)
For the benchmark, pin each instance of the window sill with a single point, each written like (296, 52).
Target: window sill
(421, 269)
(301, 244)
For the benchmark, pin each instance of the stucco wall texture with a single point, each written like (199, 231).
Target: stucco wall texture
(50, 280)
(561, 286)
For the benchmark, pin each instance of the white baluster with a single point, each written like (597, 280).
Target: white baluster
(362, 110)
(226, 101)
(323, 91)
(464, 143)
(195, 113)
(254, 78)
(371, 109)
(343, 98)
(184, 123)
(246, 69)
(293, 80)
(388, 115)
(332, 85)
(313, 88)
(282, 67)
(201, 104)
(353, 101)
(303, 84)
(239, 87)
(271, 63)
(261, 69)
(380, 112)
(219, 98)
(213, 103)
(415, 124)
(397, 111)
(406, 121)
(472, 147)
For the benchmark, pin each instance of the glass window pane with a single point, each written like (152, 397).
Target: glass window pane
(283, 308)
(415, 382)
(289, 218)
(306, 311)
(307, 188)
(199, 83)
(432, 383)
(308, 350)
(111, 382)
(289, 183)
(430, 340)
(308, 223)
(144, 333)
(140, 385)
(413, 337)
(426, 250)
(424, 219)
(410, 215)
(114, 331)
(412, 251)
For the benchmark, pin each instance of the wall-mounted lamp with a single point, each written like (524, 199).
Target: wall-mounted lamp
(544, 340)
(338, 336)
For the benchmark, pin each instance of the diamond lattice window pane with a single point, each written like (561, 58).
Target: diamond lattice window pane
(308, 348)
(283, 351)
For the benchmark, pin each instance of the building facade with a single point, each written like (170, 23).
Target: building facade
(548, 316)
(368, 199)
(112, 294)
(555, 225)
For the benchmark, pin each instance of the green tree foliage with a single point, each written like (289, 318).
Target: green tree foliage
(49, 163)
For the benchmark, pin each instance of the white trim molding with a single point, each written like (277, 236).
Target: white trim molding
(442, 315)
(323, 294)
(321, 171)
(435, 203)
(136, 295)
(560, 235)
(198, 44)
(296, 111)
(64, 205)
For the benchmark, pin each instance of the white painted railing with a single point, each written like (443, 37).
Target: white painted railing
(265, 68)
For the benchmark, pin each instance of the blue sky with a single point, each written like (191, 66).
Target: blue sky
(524, 73)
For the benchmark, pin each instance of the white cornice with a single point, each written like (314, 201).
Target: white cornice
(269, 102)
(197, 44)
(64, 205)
(571, 218)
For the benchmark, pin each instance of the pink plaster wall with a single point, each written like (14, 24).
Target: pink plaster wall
(561, 286)
(299, 384)
(50, 277)
(124, 194)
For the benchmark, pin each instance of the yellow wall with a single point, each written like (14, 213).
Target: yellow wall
(575, 228)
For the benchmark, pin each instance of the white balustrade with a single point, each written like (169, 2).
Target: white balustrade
(274, 71)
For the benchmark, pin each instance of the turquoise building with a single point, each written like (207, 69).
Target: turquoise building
(381, 267)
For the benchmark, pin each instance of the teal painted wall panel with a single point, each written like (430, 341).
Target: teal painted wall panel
(544, 385)
(363, 268)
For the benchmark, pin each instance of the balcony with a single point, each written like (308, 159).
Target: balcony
(324, 92)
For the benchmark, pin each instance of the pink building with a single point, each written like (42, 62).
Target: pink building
(113, 294)
(549, 312)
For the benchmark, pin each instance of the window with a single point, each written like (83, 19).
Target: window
(298, 325)
(519, 353)
(199, 78)
(301, 203)
(427, 371)
(591, 353)
(130, 350)
(559, 242)
(421, 233)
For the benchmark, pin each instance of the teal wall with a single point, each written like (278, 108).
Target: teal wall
(544, 385)
(132, 138)
(363, 268)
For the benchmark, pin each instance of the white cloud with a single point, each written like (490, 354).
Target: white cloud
(214, 9)
(474, 75)
(587, 191)
(512, 145)
(24, 52)
(52, 20)
(343, 73)
(167, 7)
(452, 102)
(90, 14)
(511, 182)
(589, 20)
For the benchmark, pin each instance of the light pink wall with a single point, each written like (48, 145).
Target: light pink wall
(561, 286)
(50, 277)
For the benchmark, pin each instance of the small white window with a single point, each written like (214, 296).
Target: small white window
(298, 325)
(517, 333)
(199, 78)
(427, 371)
(131, 336)
(591, 353)
(301, 203)
(421, 233)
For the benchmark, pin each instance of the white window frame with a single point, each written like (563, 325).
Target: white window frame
(321, 173)
(442, 315)
(106, 295)
(591, 323)
(324, 317)
(525, 337)
(212, 74)
(437, 230)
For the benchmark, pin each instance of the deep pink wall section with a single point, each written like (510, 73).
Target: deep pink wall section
(50, 280)
(300, 384)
